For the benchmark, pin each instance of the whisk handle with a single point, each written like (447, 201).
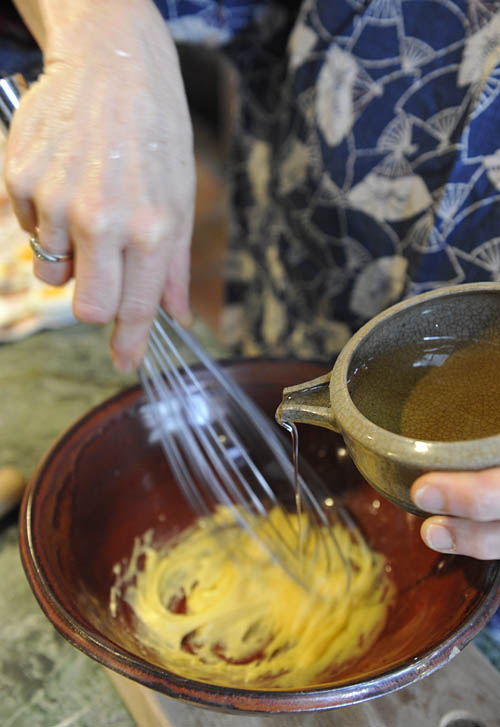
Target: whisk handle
(10, 95)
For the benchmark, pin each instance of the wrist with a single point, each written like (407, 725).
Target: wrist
(60, 26)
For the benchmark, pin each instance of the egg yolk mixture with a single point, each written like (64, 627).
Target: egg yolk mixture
(215, 607)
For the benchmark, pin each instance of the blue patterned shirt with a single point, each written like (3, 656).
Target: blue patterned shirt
(365, 162)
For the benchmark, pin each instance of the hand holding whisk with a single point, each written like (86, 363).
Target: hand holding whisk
(222, 450)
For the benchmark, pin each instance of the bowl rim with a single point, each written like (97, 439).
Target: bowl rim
(226, 698)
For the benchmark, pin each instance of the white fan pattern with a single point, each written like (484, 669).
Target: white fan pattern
(381, 177)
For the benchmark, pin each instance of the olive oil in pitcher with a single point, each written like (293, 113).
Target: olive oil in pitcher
(439, 389)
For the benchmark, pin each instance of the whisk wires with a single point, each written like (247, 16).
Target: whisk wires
(222, 449)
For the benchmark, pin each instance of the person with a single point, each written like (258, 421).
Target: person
(365, 167)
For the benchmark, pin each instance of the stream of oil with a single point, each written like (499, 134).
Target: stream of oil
(290, 427)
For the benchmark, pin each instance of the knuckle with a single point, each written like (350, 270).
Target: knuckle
(483, 503)
(137, 310)
(19, 185)
(479, 540)
(89, 311)
(51, 276)
(21, 171)
(149, 231)
(50, 204)
(486, 547)
(478, 511)
(89, 221)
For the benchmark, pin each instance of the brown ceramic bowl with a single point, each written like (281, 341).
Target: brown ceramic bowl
(103, 484)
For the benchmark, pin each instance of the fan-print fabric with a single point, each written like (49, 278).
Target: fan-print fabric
(365, 162)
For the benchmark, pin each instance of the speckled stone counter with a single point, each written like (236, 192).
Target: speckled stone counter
(46, 383)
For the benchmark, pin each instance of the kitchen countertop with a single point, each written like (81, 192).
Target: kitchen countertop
(47, 382)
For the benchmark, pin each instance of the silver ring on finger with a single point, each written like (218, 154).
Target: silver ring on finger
(48, 257)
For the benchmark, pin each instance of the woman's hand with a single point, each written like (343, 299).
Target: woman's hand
(473, 499)
(100, 160)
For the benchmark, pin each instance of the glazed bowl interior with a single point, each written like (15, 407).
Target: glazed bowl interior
(103, 484)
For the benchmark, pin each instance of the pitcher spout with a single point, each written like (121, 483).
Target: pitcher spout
(308, 403)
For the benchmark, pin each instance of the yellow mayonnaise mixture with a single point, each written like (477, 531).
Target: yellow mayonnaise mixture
(215, 607)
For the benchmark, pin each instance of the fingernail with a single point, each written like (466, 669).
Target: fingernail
(429, 498)
(186, 319)
(182, 314)
(438, 537)
(123, 366)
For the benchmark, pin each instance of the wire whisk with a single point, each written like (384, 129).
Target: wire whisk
(222, 449)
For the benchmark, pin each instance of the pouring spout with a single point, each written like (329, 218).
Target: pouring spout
(308, 403)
